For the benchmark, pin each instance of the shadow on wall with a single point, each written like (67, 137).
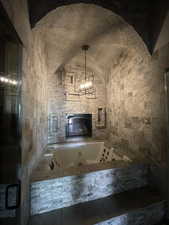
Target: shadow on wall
(78, 188)
(28, 132)
(56, 118)
(149, 215)
(158, 179)
(70, 190)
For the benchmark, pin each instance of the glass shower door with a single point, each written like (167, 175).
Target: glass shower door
(10, 107)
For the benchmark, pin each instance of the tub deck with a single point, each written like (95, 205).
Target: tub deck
(43, 171)
(49, 167)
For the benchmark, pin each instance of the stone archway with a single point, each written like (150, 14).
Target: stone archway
(141, 15)
(135, 84)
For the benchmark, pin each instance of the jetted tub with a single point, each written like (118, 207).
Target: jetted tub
(77, 154)
(75, 158)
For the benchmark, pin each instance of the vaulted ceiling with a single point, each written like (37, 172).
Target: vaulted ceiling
(66, 29)
(145, 16)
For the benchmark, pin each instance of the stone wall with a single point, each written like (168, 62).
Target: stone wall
(135, 118)
(149, 215)
(34, 96)
(62, 192)
(135, 104)
(64, 99)
(34, 103)
(34, 79)
(34, 99)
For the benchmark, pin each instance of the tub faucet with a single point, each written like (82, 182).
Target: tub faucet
(51, 165)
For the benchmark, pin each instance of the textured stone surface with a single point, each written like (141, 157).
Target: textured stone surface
(63, 192)
(137, 206)
(34, 121)
(135, 104)
(61, 102)
(34, 95)
(105, 32)
(21, 24)
(35, 111)
(162, 56)
(135, 87)
(34, 80)
(136, 110)
(77, 158)
(35, 107)
(148, 216)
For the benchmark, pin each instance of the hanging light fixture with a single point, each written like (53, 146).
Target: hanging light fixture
(7, 80)
(87, 84)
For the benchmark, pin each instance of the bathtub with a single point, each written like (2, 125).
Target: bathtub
(76, 154)
(69, 159)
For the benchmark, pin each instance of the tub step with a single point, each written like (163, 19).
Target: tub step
(136, 207)
(66, 191)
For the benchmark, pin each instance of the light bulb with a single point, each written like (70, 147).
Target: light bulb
(88, 84)
(1, 79)
(14, 82)
(6, 80)
(10, 81)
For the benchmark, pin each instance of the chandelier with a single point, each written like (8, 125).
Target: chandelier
(87, 85)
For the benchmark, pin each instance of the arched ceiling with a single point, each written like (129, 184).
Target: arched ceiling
(67, 28)
(145, 16)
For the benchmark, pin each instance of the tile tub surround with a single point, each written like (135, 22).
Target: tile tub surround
(62, 192)
(74, 158)
(150, 215)
(43, 172)
(141, 206)
(67, 155)
(94, 151)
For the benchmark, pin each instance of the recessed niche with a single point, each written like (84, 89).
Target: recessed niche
(79, 125)
(101, 118)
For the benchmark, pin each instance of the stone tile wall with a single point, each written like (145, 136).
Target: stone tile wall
(148, 216)
(135, 119)
(136, 107)
(34, 96)
(35, 112)
(62, 103)
(66, 191)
